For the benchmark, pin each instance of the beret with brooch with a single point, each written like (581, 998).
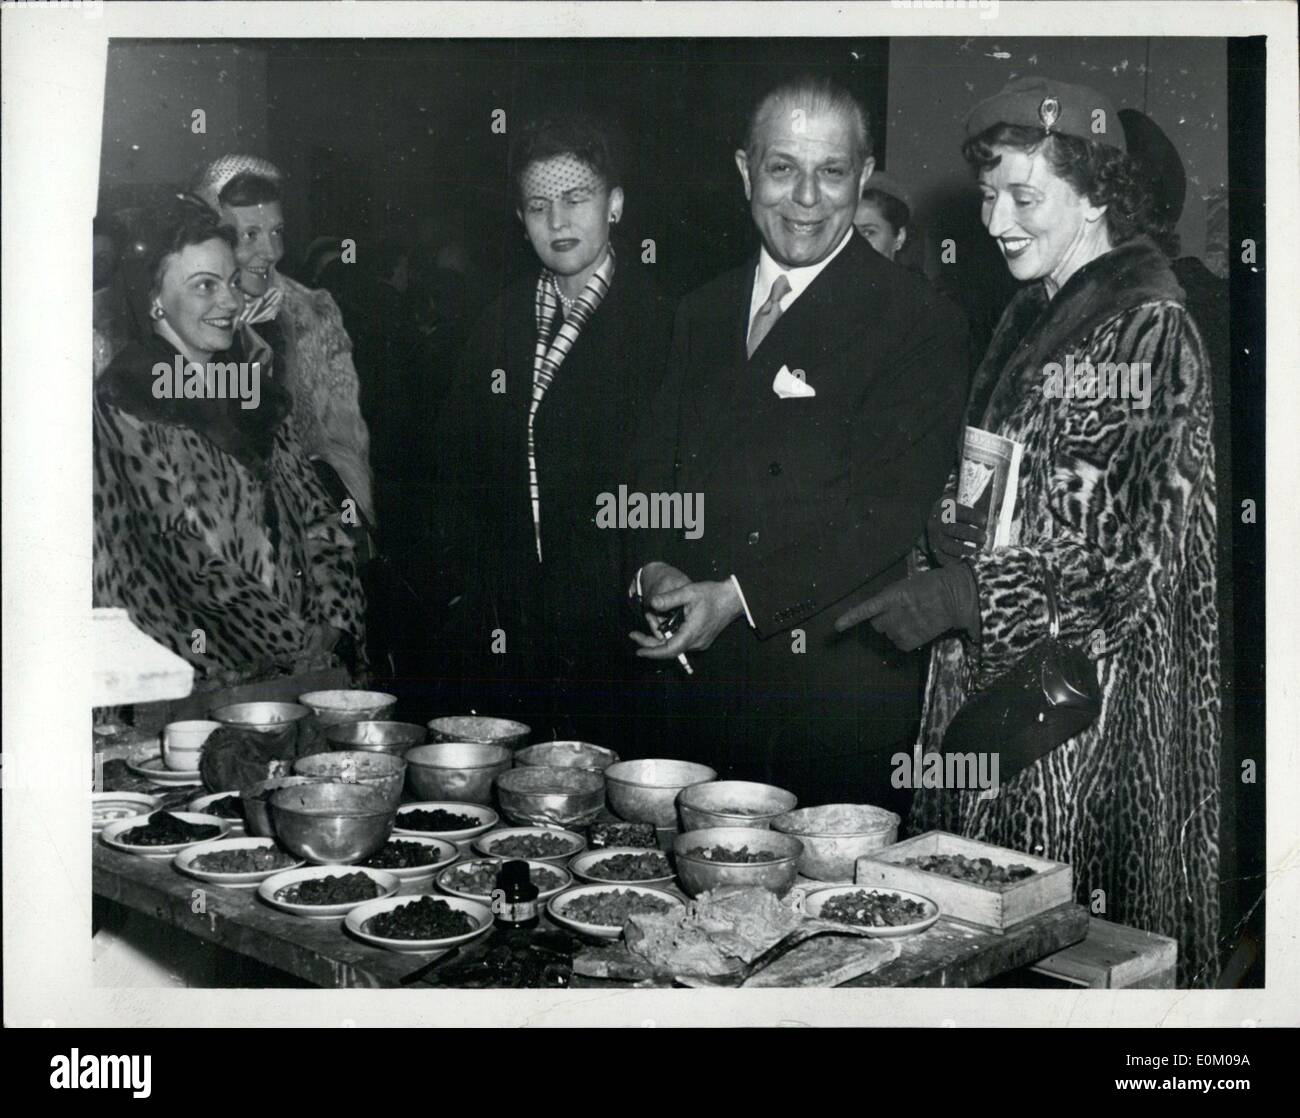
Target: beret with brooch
(1058, 107)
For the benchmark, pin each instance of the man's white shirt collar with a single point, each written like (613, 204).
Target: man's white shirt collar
(800, 278)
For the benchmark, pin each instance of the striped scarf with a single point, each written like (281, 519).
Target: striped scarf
(551, 352)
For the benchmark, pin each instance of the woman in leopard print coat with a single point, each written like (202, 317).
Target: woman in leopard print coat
(211, 527)
(1116, 498)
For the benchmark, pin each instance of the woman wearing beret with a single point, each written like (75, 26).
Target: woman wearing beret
(1115, 509)
(883, 216)
(245, 192)
(555, 376)
(211, 528)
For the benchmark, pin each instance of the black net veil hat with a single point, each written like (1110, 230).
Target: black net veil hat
(211, 178)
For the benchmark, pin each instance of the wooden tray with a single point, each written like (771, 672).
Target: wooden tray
(989, 906)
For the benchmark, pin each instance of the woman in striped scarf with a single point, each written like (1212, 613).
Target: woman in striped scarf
(536, 428)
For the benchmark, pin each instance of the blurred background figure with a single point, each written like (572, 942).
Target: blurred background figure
(884, 214)
(245, 192)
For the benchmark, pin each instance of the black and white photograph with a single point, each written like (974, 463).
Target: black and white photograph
(610, 505)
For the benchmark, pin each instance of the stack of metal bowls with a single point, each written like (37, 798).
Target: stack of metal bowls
(567, 755)
(540, 796)
(646, 791)
(394, 738)
(456, 770)
(334, 707)
(332, 824)
(477, 728)
(381, 771)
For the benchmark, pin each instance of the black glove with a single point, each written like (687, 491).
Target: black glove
(960, 535)
(918, 609)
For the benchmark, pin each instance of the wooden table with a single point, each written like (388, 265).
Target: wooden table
(321, 952)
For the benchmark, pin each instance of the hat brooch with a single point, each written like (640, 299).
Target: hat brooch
(1049, 112)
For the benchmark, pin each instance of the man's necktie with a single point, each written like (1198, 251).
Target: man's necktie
(768, 313)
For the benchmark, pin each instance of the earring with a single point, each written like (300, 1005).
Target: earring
(157, 314)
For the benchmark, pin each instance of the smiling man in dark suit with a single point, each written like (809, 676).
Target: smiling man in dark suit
(814, 398)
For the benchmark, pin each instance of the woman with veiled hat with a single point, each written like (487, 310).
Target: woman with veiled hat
(555, 376)
(211, 527)
(1114, 530)
(245, 192)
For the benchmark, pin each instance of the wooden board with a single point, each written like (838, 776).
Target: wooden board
(1115, 957)
(985, 905)
(827, 961)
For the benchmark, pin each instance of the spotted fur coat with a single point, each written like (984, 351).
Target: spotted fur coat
(1119, 502)
(326, 393)
(209, 521)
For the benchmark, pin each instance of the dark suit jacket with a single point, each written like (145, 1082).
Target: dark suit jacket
(812, 503)
(564, 619)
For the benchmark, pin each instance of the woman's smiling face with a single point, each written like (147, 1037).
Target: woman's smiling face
(260, 243)
(1038, 219)
(199, 299)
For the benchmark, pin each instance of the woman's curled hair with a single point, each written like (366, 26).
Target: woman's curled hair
(892, 208)
(1103, 174)
(580, 134)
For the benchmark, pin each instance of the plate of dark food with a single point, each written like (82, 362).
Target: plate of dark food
(225, 805)
(602, 910)
(235, 861)
(321, 891)
(978, 871)
(450, 820)
(623, 865)
(108, 807)
(881, 912)
(413, 857)
(153, 769)
(419, 925)
(476, 879)
(162, 833)
(533, 844)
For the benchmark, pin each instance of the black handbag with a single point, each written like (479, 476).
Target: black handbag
(1050, 695)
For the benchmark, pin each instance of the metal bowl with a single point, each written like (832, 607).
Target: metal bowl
(381, 771)
(394, 738)
(335, 707)
(257, 802)
(700, 874)
(474, 727)
(332, 824)
(262, 717)
(567, 755)
(835, 836)
(732, 803)
(539, 796)
(457, 770)
(646, 791)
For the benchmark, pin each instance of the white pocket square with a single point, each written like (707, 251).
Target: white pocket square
(787, 386)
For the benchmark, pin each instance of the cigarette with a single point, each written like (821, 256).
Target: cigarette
(685, 663)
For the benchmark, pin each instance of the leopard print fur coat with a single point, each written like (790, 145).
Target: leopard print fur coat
(213, 531)
(1119, 500)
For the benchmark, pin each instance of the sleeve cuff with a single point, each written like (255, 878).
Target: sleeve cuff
(748, 616)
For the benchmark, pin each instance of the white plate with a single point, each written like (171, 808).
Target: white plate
(200, 803)
(109, 835)
(489, 820)
(154, 769)
(184, 861)
(107, 807)
(448, 852)
(600, 931)
(582, 864)
(267, 890)
(485, 844)
(816, 898)
(356, 919)
(447, 879)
